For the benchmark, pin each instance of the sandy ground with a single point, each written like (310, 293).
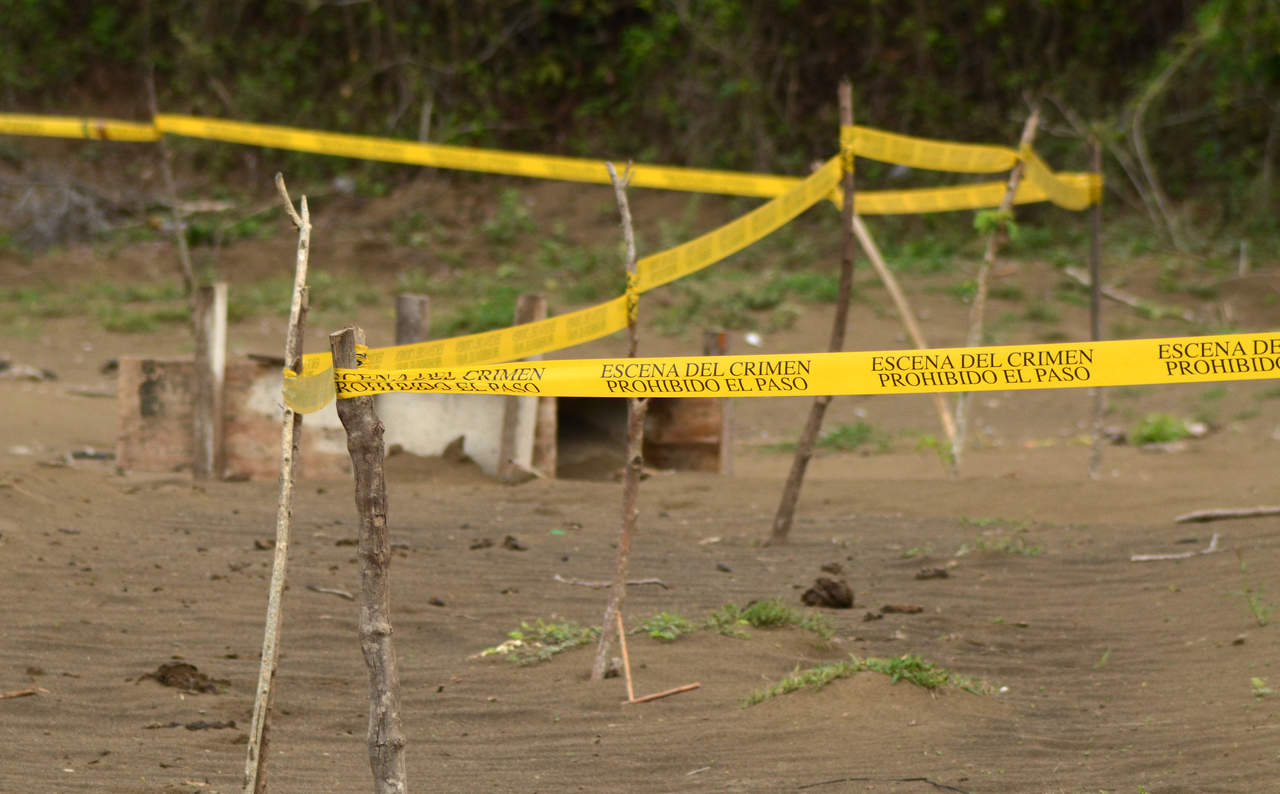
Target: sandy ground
(1104, 674)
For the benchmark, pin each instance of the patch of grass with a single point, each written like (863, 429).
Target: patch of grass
(1159, 428)
(509, 221)
(1043, 312)
(770, 613)
(666, 626)
(908, 667)
(1254, 595)
(494, 310)
(940, 447)
(1260, 688)
(1007, 292)
(128, 320)
(918, 551)
(1011, 540)
(538, 642)
(851, 437)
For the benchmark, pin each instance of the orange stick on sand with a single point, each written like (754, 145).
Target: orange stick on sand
(626, 669)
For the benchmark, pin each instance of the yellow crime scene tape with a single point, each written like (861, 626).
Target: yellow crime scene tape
(74, 127)
(998, 368)
(313, 388)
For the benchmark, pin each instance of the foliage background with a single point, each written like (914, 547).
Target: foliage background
(724, 83)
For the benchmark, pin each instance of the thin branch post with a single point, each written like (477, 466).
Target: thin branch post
(813, 425)
(255, 778)
(171, 190)
(908, 317)
(977, 312)
(636, 409)
(368, 454)
(1095, 311)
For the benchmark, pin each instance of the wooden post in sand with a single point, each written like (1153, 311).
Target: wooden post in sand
(413, 319)
(636, 409)
(210, 372)
(809, 436)
(364, 443)
(529, 308)
(977, 312)
(255, 773)
(716, 343)
(1095, 310)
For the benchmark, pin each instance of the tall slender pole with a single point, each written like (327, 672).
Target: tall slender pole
(1095, 310)
(813, 425)
(977, 312)
(368, 454)
(636, 409)
(255, 772)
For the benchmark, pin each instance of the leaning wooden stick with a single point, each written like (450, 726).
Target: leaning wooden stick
(626, 659)
(1219, 514)
(1186, 555)
(255, 779)
(977, 312)
(813, 425)
(364, 443)
(904, 311)
(636, 409)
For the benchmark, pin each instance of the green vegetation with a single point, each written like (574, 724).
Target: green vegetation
(666, 626)
(1008, 537)
(1260, 688)
(1254, 595)
(1159, 428)
(540, 641)
(770, 613)
(908, 667)
(844, 438)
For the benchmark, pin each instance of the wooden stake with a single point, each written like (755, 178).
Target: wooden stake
(626, 659)
(210, 371)
(667, 693)
(813, 425)
(978, 311)
(255, 773)
(904, 312)
(528, 309)
(1095, 312)
(364, 443)
(636, 409)
(413, 319)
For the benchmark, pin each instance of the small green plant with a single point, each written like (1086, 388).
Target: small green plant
(509, 221)
(666, 626)
(1159, 428)
(1260, 688)
(847, 438)
(996, 222)
(769, 613)
(1002, 543)
(908, 667)
(918, 551)
(1253, 595)
(540, 641)
(494, 310)
(1102, 660)
(940, 448)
